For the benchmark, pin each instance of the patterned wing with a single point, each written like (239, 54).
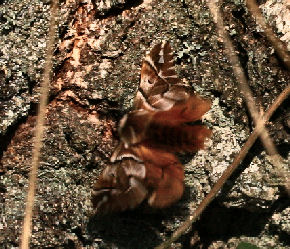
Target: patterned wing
(160, 88)
(120, 187)
(167, 129)
(164, 176)
(126, 184)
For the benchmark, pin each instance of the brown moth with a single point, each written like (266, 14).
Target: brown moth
(144, 166)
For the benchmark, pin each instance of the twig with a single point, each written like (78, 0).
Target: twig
(258, 131)
(247, 93)
(186, 225)
(278, 45)
(39, 130)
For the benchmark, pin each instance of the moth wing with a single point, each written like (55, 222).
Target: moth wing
(183, 138)
(170, 187)
(120, 187)
(164, 176)
(133, 126)
(190, 110)
(121, 153)
(160, 88)
(141, 170)
(166, 127)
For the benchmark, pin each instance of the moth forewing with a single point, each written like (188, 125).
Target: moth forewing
(158, 76)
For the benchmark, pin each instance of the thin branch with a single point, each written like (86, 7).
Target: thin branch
(258, 131)
(277, 44)
(186, 225)
(39, 130)
(247, 93)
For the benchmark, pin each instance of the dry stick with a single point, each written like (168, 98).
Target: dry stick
(186, 225)
(39, 130)
(247, 93)
(257, 132)
(278, 45)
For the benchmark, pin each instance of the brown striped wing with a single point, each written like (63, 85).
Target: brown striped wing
(127, 183)
(160, 88)
(120, 187)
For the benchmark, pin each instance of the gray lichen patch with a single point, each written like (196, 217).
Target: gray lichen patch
(13, 109)
(258, 185)
(278, 14)
(281, 220)
(225, 143)
(23, 30)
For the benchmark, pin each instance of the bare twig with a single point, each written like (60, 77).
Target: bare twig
(247, 93)
(278, 45)
(258, 131)
(39, 130)
(186, 225)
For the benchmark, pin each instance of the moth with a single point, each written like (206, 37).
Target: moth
(144, 165)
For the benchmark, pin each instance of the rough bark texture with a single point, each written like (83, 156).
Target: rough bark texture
(100, 46)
